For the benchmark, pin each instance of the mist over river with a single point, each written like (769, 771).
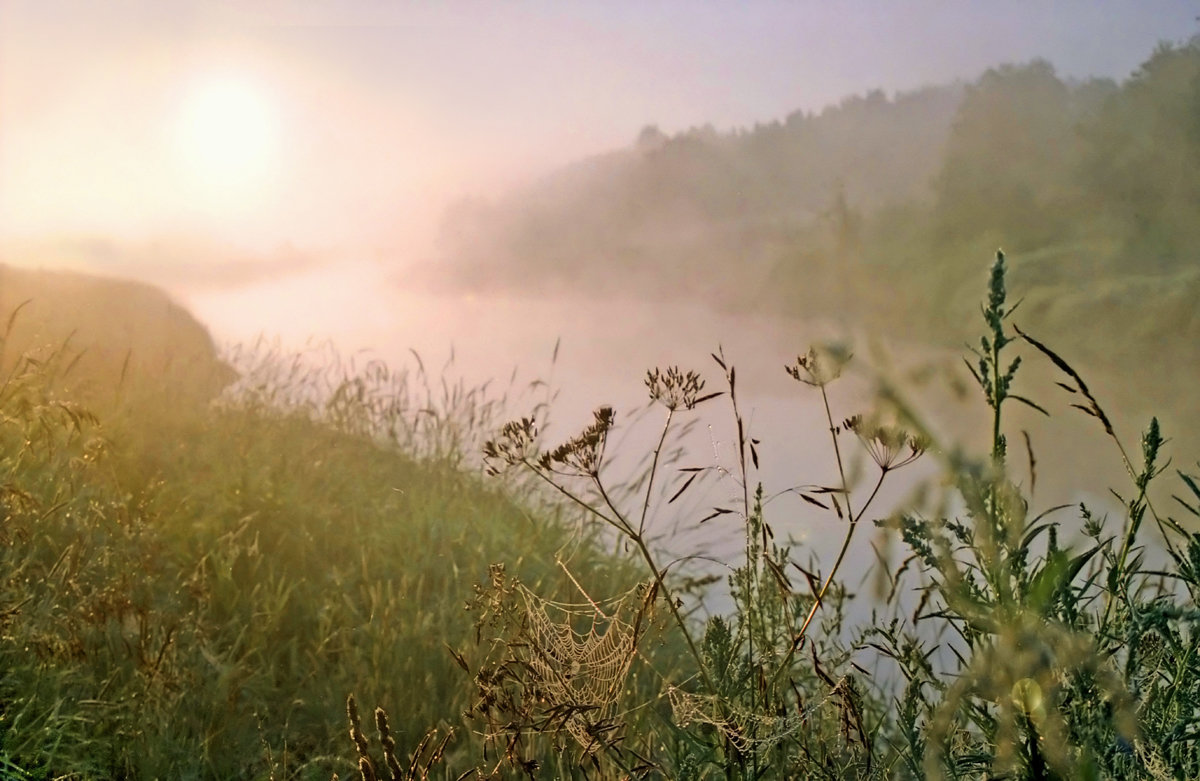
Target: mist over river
(605, 347)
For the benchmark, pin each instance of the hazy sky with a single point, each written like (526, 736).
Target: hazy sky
(351, 123)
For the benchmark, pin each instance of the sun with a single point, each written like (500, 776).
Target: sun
(226, 136)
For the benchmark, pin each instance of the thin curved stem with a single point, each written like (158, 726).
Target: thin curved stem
(837, 451)
(838, 561)
(654, 471)
(661, 583)
(854, 519)
(618, 524)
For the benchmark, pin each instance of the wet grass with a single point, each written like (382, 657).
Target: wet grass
(192, 590)
(1008, 640)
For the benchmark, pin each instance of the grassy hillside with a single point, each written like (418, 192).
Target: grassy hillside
(118, 332)
(191, 590)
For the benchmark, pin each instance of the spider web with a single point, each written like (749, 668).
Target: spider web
(747, 730)
(579, 657)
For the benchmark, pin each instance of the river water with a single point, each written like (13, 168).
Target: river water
(592, 352)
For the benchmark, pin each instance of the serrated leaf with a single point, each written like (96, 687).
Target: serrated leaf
(1058, 573)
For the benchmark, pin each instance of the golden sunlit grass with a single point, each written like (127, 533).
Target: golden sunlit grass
(192, 591)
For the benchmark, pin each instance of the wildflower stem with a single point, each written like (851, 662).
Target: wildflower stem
(660, 581)
(618, 523)
(840, 557)
(854, 519)
(1158, 520)
(837, 451)
(654, 471)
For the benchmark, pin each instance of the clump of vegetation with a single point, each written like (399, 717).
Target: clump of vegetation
(191, 591)
(1002, 648)
(194, 590)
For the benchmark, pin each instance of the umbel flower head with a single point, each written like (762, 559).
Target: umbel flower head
(674, 389)
(514, 445)
(890, 447)
(583, 452)
(819, 367)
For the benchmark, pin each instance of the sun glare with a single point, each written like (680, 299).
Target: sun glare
(227, 137)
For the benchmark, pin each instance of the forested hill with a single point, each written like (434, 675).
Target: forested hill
(1094, 178)
(883, 213)
(703, 204)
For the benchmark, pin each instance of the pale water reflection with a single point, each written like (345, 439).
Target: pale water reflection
(593, 352)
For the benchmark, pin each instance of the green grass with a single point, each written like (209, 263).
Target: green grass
(192, 590)
(1003, 644)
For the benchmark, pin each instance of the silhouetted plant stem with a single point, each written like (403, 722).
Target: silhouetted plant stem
(840, 557)
(618, 522)
(654, 471)
(818, 598)
(659, 578)
(752, 587)
(837, 450)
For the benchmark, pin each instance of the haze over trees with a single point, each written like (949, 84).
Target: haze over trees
(856, 212)
(1019, 153)
(202, 555)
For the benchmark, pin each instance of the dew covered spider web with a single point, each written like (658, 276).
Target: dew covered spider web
(579, 656)
(748, 730)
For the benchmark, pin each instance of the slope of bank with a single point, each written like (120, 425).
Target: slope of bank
(192, 590)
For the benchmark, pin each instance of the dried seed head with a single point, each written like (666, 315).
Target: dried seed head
(819, 367)
(890, 447)
(673, 388)
(514, 445)
(583, 452)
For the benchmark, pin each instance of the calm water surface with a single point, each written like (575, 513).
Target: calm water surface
(603, 351)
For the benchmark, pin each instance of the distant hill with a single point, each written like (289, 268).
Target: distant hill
(883, 213)
(695, 204)
(912, 183)
(108, 333)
